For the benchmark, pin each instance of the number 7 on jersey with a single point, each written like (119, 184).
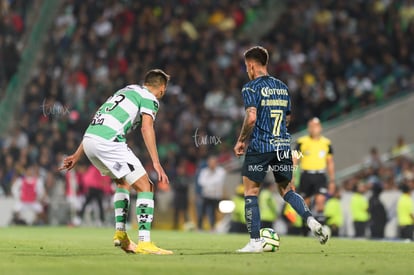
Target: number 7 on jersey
(278, 116)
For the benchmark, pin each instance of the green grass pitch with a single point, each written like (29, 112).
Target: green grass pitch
(61, 250)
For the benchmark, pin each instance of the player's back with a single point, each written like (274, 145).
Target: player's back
(122, 112)
(271, 98)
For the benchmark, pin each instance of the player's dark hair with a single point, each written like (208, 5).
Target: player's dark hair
(258, 54)
(156, 77)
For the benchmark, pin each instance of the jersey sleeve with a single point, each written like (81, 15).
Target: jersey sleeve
(149, 107)
(298, 145)
(250, 97)
(330, 149)
(299, 142)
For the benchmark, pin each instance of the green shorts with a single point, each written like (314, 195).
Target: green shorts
(257, 165)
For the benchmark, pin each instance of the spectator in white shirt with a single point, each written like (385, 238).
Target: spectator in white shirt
(211, 180)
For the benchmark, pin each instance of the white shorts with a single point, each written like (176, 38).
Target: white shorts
(36, 207)
(113, 159)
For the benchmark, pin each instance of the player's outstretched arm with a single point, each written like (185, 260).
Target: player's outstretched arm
(148, 134)
(247, 128)
(70, 161)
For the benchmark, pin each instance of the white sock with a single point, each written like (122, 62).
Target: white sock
(144, 211)
(121, 206)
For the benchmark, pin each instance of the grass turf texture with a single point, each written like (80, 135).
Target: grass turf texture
(61, 250)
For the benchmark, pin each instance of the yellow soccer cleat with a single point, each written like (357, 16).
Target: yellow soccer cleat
(122, 241)
(151, 248)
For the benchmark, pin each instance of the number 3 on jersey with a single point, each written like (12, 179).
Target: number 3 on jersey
(115, 100)
(278, 116)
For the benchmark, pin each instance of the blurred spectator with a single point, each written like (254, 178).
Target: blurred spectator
(75, 193)
(334, 213)
(405, 213)
(29, 192)
(211, 180)
(267, 205)
(180, 187)
(214, 100)
(9, 172)
(374, 160)
(95, 185)
(238, 220)
(293, 220)
(359, 210)
(377, 213)
(400, 148)
(197, 186)
(17, 138)
(406, 171)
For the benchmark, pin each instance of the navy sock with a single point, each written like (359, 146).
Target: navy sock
(297, 202)
(252, 214)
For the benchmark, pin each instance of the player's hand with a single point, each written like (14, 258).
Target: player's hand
(162, 177)
(69, 162)
(239, 148)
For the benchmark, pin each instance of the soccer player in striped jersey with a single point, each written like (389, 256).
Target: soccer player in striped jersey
(104, 144)
(266, 142)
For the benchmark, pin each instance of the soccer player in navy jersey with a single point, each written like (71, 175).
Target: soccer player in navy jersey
(266, 142)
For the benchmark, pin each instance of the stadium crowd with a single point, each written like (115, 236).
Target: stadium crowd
(336, 56)
(381, 182)
(12, 28)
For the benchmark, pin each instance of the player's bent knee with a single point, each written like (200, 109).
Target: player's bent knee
(121, 183)
(284, 184)
(135, 175)
(284, 187)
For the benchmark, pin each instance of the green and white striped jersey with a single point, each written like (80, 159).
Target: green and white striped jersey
(122, 112)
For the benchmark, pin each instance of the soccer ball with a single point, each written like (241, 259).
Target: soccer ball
(271, 240)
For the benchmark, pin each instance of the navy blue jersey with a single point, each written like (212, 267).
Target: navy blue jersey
(271, 98)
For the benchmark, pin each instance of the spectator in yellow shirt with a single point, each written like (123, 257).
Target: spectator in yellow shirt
(359, 210)
(267, 205)
(238, 220)
(333, 213)
(405, 213)
(293, 221)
